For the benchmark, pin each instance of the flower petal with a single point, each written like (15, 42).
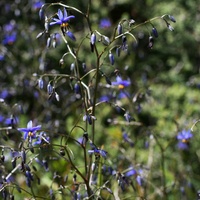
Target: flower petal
(60, 14)
(30, 124)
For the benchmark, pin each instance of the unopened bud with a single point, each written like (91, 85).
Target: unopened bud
(111, 58)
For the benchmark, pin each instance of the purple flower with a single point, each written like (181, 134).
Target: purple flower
(184, 136)
(10, 38)
(121, 83)
(105, 23)
(127, 139)
(71, 35)
(130, 173)
(63, 18)
(42, 138)
(97, 151)
(30, 131)
(37, 4)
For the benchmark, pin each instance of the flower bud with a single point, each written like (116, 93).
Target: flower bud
(40, 83)
(118, 51)
(170, 27)
(119, 29)
(72, 66)
(84, 66)
(172, 18)
(105, 40)
(49, 89)
(71, 35)
(57, 96)
(39, 35)
(93, 38)
(154, 31)
(46, 24)
(2, 158)
(111, 58)
(131, 22)
(124, 40)
(41, 13)
(77, 88)
(48, 42)
(151, 42)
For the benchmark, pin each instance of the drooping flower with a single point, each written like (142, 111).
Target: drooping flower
(41, 139)
(30, 131)
(121, 83)
(97, 151)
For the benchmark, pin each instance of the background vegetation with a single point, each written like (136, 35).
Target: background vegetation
(163, 100)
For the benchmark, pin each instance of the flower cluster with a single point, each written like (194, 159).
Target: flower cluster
(63, 19)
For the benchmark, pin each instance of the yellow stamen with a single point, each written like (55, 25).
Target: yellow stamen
(184, 140)
(64, 25)
(30, 134)
(121, 86)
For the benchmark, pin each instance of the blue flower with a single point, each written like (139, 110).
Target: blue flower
(42, 138)
(131, 172)
(121, 83)
(127, 139)
(97, 151)
(10, 38)
(184, 136)
(63, 18)
(37, 4)
(105, 23)
(30, 131)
